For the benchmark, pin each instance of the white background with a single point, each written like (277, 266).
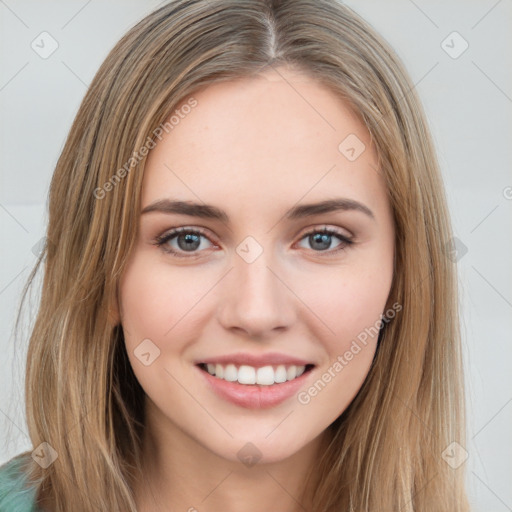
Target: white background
(468, 101)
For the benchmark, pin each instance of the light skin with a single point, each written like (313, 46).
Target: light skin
(254, 148)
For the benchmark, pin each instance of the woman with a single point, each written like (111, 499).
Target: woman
(195, 348)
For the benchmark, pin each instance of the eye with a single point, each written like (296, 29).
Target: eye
(188, 241)
(321, 240)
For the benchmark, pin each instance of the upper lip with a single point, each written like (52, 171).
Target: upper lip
(256, 360)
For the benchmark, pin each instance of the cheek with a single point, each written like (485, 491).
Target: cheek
(351, 311)
(154, 301)
(350, 305)
(357, 325)
(358, 310)
(156, 311)
(347, 303)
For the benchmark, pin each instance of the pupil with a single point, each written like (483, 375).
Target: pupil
(321, 238)
(190, 238)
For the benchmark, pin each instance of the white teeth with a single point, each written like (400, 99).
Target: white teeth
(291, 372)
(265, 376)
(230, 373)
(280, 374)
(246, 375)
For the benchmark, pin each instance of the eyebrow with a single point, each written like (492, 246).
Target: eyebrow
(206, 211)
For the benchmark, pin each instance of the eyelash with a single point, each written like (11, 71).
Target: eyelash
(161, 240)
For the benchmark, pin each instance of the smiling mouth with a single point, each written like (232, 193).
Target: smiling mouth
(253, 376)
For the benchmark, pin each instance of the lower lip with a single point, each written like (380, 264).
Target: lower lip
(254, 396)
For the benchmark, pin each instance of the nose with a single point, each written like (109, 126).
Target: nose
(256, 299)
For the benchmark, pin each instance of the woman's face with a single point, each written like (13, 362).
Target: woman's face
(251, 275)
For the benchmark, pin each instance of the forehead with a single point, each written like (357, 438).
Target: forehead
(273, 138)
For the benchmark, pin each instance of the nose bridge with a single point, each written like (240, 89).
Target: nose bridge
(257, 300)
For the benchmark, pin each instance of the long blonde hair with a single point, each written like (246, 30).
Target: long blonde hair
(82, 398)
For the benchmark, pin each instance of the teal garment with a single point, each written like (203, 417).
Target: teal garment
(15, 496)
